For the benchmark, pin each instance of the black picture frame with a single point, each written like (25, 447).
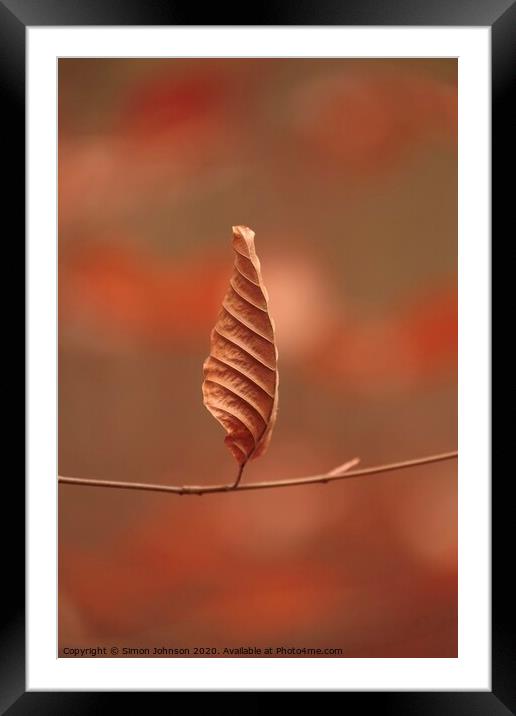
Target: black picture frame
(15, 17)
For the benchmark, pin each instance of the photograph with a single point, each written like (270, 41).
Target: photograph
(259, 446)
(257, 357)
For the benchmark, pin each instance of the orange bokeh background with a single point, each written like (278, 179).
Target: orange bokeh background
(347, 171)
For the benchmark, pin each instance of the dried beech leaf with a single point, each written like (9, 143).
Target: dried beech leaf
(240, 387)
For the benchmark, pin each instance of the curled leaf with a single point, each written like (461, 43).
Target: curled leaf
(240, 387)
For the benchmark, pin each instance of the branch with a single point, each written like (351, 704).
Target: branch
(343, 472)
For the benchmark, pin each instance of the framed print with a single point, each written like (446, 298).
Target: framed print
(258, 367)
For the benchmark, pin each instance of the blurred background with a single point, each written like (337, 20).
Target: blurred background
(347, 171)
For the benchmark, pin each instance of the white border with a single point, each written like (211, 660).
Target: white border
(471, 671)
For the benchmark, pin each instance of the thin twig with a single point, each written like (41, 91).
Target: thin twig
(344, 474)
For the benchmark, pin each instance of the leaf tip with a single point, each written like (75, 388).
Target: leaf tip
(243, 240)
(241, 231)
